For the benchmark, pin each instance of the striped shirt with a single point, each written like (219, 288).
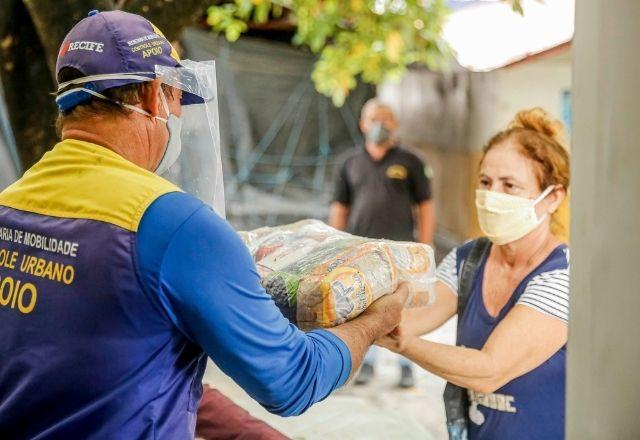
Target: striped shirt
(547, 292)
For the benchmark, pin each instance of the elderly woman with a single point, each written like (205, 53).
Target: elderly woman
(512, 333)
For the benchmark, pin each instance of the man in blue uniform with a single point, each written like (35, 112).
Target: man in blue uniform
(115, 285)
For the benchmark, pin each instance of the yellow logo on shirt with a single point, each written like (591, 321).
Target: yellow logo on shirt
(174, 52)
(397, 172)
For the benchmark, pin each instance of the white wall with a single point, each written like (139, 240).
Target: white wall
(501, 93)
(538, 82)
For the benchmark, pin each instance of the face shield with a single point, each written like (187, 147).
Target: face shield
(198, 168)
(192, 158)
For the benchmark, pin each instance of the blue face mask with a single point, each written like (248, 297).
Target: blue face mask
(378, 134)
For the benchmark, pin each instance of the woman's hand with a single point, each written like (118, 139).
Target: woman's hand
(395, 341)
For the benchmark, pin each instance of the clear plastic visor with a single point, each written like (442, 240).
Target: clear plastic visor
(198, 169)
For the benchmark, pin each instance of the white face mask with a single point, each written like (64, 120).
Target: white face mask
(174, 125)
(174, 144)
(505, 218)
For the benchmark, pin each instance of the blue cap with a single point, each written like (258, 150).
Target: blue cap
(115, 42)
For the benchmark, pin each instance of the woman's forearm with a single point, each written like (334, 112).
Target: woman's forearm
(421, 320)
(521, 342)
(465, 367)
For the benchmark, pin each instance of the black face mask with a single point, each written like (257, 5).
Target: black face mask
(378, 134)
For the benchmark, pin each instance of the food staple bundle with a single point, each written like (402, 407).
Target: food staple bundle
(322, 277)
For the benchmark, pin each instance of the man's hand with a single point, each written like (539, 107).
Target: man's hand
(380, 318)
(387, 310)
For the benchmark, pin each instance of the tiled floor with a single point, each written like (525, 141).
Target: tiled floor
(376, 411)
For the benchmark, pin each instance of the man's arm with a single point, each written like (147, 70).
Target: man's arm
(339, 210)
(207, 284)
(381, 318)
(426, 221)
(338, 216)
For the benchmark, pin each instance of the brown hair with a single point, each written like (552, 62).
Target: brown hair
(540, 138)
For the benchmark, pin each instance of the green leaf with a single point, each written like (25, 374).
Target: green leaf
(244, 9)
(516, 5)
(261, 12)
(234, 30)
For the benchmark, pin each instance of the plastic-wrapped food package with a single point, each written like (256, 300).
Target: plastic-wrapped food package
(322, 277)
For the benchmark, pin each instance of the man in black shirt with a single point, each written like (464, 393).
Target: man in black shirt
(378, 190)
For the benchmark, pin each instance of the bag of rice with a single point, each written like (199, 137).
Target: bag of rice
(321, 277)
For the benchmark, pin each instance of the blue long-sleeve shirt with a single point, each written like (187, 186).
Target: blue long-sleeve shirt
(207, 284)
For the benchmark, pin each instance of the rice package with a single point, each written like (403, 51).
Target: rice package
(322, 277)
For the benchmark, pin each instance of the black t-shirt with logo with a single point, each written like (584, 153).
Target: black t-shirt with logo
(381, 194)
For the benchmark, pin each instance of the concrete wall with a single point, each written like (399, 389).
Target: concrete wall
(540, 82)
(499, 95)
(604, 345)
(453, 187)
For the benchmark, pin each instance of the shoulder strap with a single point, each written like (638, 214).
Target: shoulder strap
(456, 402)
(468, 272)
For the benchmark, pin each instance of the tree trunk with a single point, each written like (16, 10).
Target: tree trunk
(27, 82)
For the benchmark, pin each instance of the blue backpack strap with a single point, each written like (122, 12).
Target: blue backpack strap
(468, 271)
(455, 398)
